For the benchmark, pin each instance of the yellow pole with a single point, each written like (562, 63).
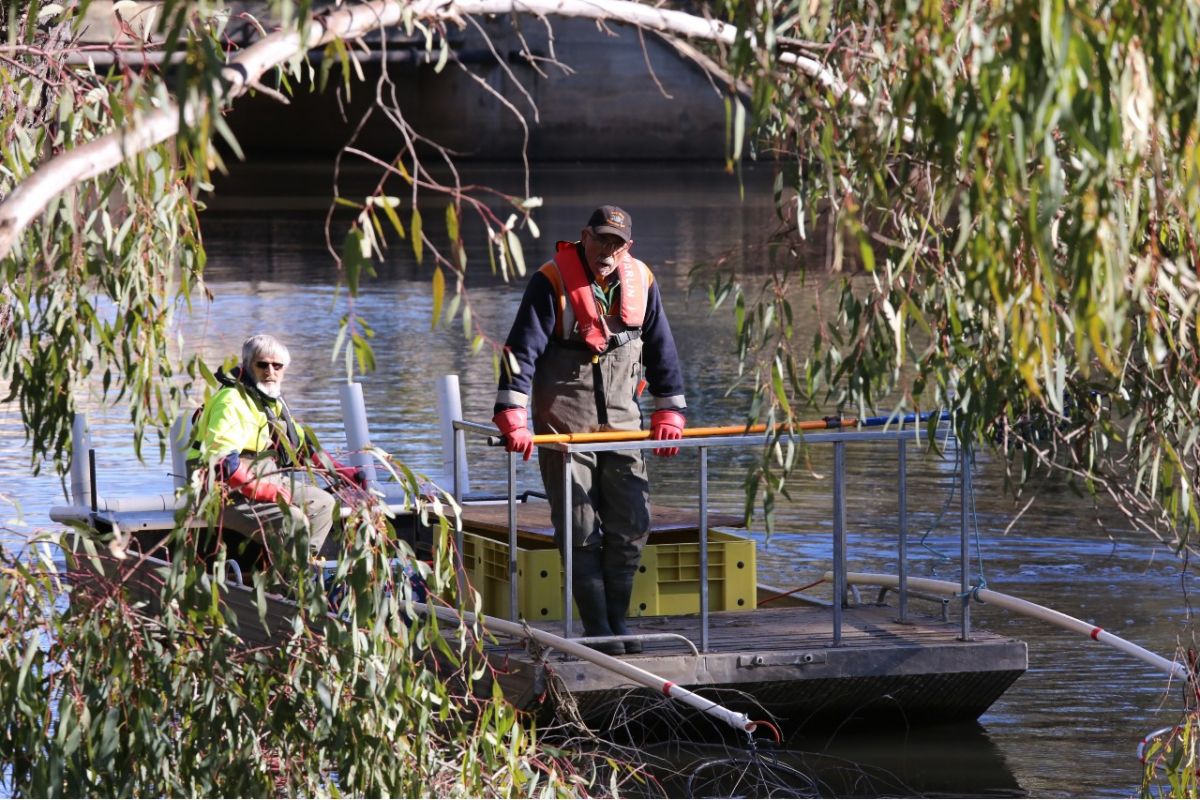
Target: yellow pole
(727, 430)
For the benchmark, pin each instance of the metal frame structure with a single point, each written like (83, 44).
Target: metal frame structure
(901, 434)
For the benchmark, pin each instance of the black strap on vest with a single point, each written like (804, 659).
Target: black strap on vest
(623, 338)
(278, 423)
(614, 341)
(288, 427)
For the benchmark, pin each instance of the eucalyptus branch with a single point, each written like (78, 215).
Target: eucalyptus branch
(94, 158)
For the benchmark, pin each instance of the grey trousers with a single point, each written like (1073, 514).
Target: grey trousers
(610, 503)
(311, 508)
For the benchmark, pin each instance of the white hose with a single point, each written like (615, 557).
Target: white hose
(626, 670)
(1019, 606)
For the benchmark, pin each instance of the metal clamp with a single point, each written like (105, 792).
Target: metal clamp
(783, 659)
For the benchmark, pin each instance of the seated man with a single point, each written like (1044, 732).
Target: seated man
(246, 435)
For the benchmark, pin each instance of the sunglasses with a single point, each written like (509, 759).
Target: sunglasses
(273, 364)
(612, 244)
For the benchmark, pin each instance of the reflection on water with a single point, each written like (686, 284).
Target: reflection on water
(1067, 728)
(947, 761)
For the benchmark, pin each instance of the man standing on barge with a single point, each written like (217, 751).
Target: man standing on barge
(589, 321)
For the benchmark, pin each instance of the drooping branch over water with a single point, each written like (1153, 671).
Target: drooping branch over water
(245, 70)
(1015, 185)
(131, 143)
(1019, 247)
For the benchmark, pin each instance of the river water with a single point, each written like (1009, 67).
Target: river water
(1068, 728)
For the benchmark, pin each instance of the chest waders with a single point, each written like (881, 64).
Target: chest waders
(578, 390)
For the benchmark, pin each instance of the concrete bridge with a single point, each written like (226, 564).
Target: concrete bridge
(591, 92)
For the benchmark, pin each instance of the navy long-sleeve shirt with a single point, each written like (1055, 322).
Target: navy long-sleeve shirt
(534, 325)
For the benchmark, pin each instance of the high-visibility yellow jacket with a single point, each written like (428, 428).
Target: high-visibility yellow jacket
(238, 421)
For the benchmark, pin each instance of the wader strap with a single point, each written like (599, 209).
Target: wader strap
(598, 390)
(623, 338)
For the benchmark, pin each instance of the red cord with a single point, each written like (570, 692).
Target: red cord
(793, 591)
(774, 731)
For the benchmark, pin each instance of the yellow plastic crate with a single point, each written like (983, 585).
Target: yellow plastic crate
(667, 582)
(673, 576)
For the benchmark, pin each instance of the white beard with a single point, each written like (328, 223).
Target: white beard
(271, 389)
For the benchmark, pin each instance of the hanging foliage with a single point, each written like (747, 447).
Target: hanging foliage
(1006, 197)
(147, 684)
(1006, 194)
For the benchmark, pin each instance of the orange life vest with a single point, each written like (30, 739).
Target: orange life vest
(577, 286)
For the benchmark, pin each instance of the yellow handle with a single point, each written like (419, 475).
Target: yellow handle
(727, 430)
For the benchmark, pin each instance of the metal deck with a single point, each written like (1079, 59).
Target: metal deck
(782, 663)
(816, 665)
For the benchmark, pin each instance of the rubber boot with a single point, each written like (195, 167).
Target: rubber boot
(618, 589)
(588, 588)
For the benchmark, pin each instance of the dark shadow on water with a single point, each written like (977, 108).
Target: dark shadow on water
(686, 753)
(937, 761)
(943, 761)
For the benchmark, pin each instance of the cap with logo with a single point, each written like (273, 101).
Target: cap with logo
(610, 219)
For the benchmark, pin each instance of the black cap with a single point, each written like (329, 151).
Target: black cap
(610, 219)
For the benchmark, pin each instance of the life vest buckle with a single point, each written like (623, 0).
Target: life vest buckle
(621, 339)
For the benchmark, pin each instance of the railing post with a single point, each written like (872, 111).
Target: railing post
(902, 499)
(703, 549)
(964, 454)
(460, 556)
(512, 537)
(81, 442)
(358, 435)
(460, 444)
(449, 403)
(568, 547)
(839, 538)
(181, 430)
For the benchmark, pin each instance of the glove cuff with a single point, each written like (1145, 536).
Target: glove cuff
(668, 416)
(510, 419)
(240, 477)
(267, 493)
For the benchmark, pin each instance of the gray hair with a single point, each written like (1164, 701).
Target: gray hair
(263, 345)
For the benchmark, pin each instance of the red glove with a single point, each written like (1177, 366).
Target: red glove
(517, 436)
(666, 423)
(258, 491)
(354, 475)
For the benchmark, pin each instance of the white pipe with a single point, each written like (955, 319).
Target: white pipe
(81, 442)
(181, 430)
(449, 401)
(1019, 606)
(358, 436)
(1170, 730)
(81, 477)
(623, 668)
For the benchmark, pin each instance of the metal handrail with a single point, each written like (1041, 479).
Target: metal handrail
(901, 434)
(641, 637)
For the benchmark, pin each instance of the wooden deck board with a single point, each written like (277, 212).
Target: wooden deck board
(534, 524)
